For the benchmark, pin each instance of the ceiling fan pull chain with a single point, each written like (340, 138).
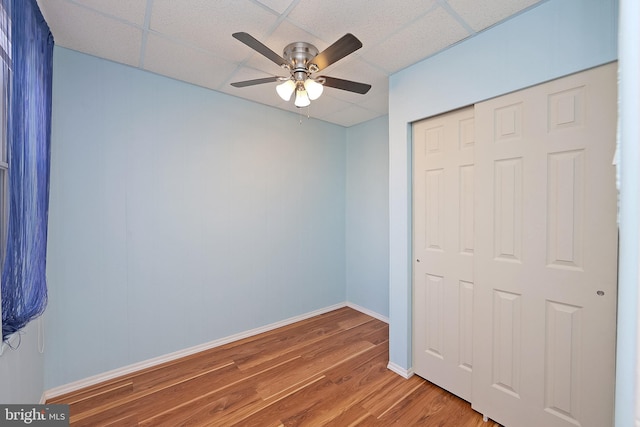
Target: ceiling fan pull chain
(300, 114)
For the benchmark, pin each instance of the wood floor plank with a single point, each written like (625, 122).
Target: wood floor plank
(316, 361)
(395, 390)
(354, 320)
(328, 370)
(306, 344)
(259, 351)
(202, 410)
(147, 402)
(347, 372)
(300, 401)
(429, 406)
(364, 379)
(86, 401)
(353, 416)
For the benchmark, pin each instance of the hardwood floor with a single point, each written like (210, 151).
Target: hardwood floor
(329, 370)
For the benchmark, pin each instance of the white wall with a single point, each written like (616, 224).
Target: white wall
(627, 363)
(558, 37)
(181, 215)
(367, 215)
(22, 368)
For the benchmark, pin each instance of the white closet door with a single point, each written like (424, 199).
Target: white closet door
(546, 251)
(443, 196)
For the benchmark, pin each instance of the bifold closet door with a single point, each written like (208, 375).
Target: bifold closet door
(546, 254)
(443, 247)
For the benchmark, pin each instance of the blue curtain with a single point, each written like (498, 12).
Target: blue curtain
(24, 288)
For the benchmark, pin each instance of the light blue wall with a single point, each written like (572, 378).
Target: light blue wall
(367, 215)
(181, 215)
(22, 369)
(558, 37)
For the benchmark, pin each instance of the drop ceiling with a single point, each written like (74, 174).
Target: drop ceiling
(190, 40)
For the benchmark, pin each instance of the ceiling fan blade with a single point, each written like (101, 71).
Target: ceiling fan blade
(347, 85)
(256, 45)
(346, 45)
(255, 82)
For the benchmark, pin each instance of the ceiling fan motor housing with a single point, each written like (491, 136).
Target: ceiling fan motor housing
(298, 56)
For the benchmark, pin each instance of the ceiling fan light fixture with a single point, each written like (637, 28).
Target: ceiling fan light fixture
(314, 89)
(286, 89)
(302, 98)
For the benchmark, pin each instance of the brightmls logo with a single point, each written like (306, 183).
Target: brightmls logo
(34, 415)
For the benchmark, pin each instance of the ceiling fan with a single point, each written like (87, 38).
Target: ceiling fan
(301, 60)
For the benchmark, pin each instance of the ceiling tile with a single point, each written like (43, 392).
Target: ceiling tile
(185, 63)
(377, 99)
(277, 5)
(360, 71)
(378, 103)
(480, 14)
(424, 37)
(369, 20)
(85, 30)
(350, 116)
(209, 24)
(132, 11)
(322, 106)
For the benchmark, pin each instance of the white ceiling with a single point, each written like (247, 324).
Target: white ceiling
(190, 40)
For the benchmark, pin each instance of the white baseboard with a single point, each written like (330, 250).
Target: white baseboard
(96, 379)
(368, 312)
(405, 373)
